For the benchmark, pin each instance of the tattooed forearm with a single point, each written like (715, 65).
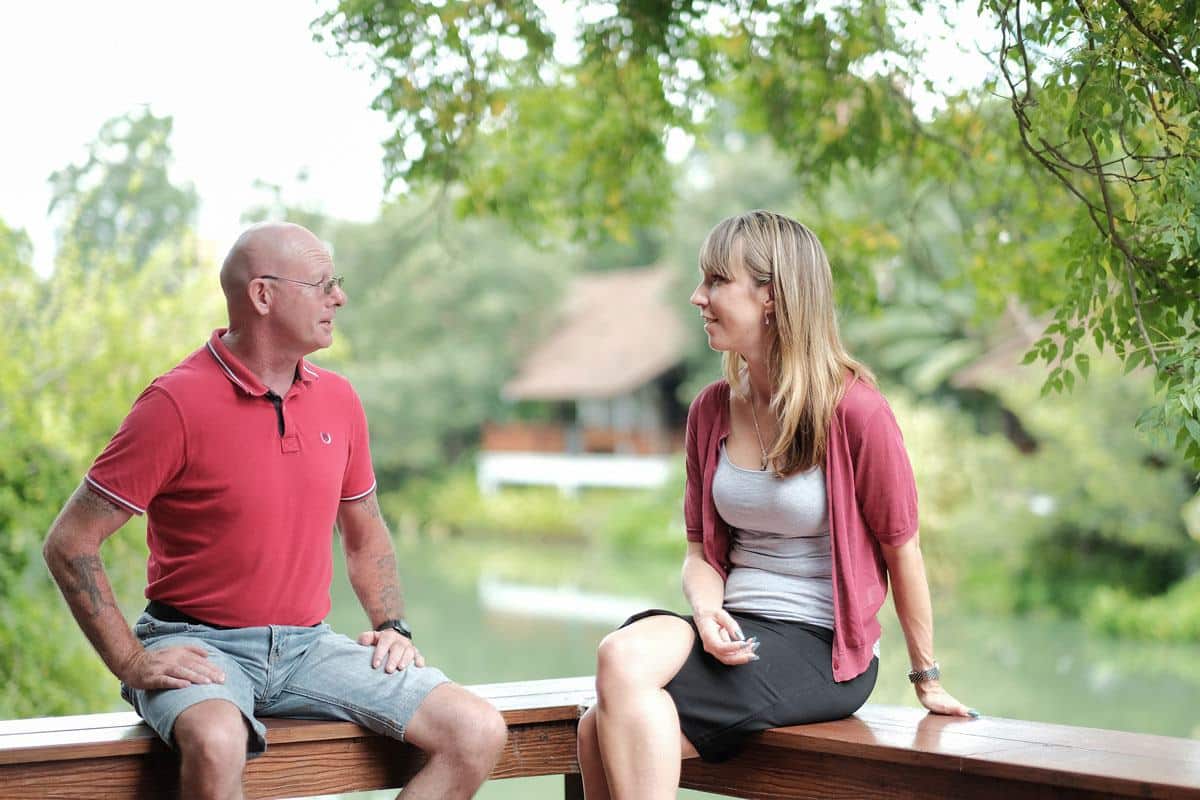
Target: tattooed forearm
(85, 576)
(389, 588)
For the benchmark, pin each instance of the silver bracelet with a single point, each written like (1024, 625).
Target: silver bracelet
(931, 674)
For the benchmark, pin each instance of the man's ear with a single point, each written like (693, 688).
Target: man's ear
(259, 292)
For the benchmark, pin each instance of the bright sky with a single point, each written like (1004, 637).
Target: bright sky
(251, 94)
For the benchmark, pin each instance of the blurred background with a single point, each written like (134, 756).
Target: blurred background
(516, 194)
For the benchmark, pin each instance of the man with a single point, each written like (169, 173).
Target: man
(243, 457)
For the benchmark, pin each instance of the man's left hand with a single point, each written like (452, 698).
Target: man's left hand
(392, 651)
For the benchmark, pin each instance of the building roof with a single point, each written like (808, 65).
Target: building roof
(616, 331)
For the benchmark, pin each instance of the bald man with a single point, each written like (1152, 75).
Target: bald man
(243, 458)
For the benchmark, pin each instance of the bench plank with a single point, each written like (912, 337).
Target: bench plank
(117, 756)
(123, 734)
(1019, 755)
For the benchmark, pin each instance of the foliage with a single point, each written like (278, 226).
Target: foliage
(482, 97)
(568, 132)
(1170, 617)
(78, 347)
(637, 523)
(121, 201)
(1107, 103)
(1095, 509)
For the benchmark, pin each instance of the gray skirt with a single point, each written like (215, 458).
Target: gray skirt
(791, 684)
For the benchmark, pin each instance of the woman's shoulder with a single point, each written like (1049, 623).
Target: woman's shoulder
(710, 400)
(860, 402)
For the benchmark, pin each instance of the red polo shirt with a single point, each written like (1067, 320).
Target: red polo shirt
(240, 513)
(872, 498)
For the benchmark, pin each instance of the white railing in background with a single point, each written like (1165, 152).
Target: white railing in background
(571, 472)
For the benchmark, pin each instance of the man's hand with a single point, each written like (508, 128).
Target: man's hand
(170, 668)
(392, 650)
(723, 640)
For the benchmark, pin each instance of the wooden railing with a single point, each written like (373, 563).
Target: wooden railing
(880, 752)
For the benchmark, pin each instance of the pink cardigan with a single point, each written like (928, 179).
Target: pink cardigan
(872, 498)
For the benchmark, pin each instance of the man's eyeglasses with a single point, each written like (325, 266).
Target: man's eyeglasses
(328, 284)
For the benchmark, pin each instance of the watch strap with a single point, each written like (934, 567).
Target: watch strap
(398, 625)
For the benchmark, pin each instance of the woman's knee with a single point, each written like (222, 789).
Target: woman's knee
(644, 655)
(617, 658)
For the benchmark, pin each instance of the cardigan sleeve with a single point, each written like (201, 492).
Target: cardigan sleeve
(693, 493)
(883, 479)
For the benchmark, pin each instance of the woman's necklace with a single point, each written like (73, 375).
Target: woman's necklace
(761, 447)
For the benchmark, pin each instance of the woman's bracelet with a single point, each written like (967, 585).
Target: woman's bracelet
(931, 674)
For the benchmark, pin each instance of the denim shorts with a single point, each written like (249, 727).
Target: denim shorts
(283, 671)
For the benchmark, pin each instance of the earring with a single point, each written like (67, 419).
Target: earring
(767, 318)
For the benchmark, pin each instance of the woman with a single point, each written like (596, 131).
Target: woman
(799, 492)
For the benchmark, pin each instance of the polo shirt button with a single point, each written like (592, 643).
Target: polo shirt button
(836, 664)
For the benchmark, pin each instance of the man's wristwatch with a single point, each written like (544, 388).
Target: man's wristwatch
(398, 625)
(920, 676)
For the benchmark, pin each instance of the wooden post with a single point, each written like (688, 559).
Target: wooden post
(573, 787)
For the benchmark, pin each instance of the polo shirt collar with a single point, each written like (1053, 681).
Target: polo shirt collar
(241, 376)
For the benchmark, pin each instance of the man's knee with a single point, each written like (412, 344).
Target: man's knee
(587, 735)
(454, 723)
(212, 733)
(491, 733)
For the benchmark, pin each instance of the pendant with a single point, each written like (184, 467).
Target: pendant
(763, 465)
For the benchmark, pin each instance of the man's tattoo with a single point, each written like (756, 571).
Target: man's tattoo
(371, 504)
(85, 573)
(93, 502)
(389, 586)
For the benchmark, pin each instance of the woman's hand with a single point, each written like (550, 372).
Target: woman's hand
(723, 639)
(939, 701)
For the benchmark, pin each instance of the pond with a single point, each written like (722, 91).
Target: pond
(487, 611)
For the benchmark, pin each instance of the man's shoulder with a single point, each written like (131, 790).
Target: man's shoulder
(189, 374)
(327, 380)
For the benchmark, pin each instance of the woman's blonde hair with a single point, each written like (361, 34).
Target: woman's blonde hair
(806, 360)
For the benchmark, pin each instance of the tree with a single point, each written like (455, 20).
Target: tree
(1103, 94)
(126, 300)
(121, 200)
(1106, 102)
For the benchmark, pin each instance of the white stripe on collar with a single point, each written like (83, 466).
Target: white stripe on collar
(225, 367)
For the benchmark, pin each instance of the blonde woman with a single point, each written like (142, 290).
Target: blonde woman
(800, 505)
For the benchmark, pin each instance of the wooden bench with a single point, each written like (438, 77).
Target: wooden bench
(896, 751)
(116, 756)
(881, 752)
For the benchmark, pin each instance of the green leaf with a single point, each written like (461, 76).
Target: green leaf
(1083, 364)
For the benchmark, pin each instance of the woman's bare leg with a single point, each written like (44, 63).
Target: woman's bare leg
(635, 723)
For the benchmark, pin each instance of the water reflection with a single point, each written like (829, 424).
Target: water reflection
(1035, 669)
